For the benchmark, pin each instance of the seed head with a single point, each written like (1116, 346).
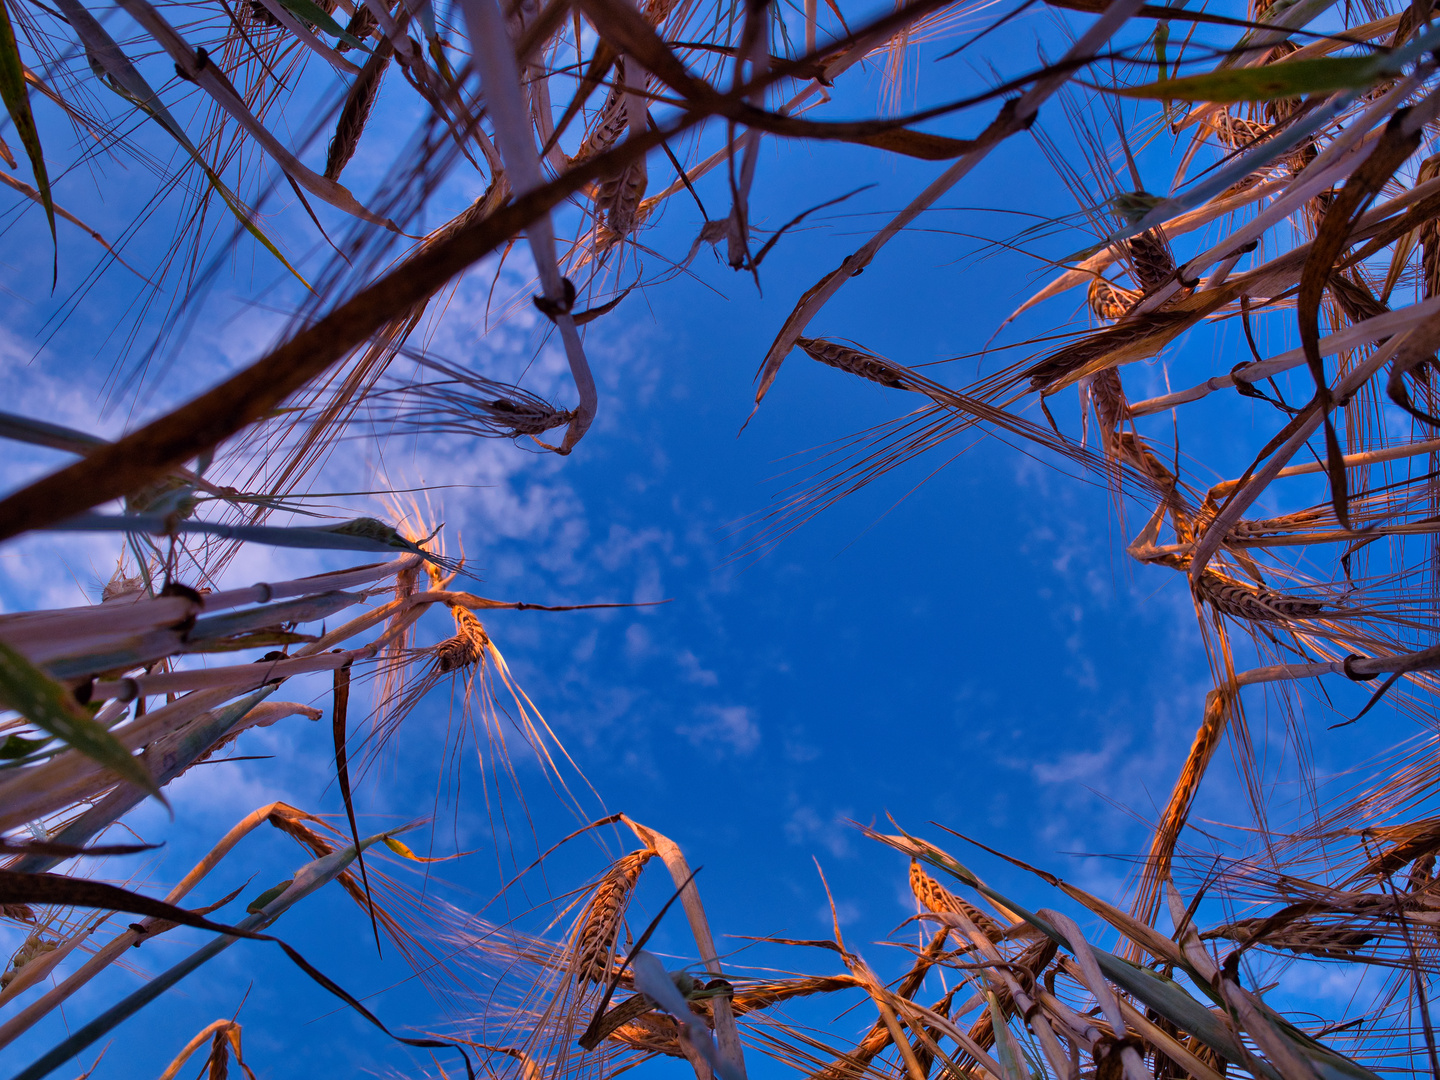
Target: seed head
(599, 923)
(935, 897)
(864, 364)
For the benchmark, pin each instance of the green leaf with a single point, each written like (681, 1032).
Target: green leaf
(44, 702)
(372, 529)
(359, 534)
(312, 14)
(274, 892)
(1011, 1057)
(1271, 82)
(16, 746)
(17, 102)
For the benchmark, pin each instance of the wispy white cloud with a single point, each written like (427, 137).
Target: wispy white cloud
(807, 826)
(689, 665)
(723, 727)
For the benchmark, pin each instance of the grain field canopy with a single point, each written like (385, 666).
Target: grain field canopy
(330, 325)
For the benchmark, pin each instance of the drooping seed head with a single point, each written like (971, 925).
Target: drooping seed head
(1254, 603)
(1151, 259)
(598, 926)
(866, 365)
(466, 647)
(1110, 301)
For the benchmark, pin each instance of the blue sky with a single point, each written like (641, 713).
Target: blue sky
(965, 644)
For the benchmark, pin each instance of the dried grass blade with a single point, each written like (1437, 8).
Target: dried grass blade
(240, 676)
(494, 56)
(217, 1028)
(342, 775)
(1300, 429)
(1392, 150)
(1167, 1044)
(215, 633)
(68, 851)
(726, 1032)
(57, 889)
(902, 1044)
(174, 754)
(1381, 326)
(1411, 359)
